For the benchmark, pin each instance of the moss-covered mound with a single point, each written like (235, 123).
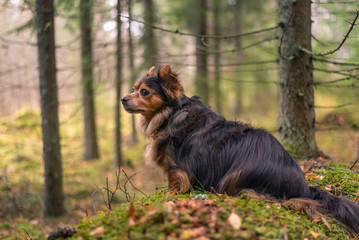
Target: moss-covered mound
(207, 216)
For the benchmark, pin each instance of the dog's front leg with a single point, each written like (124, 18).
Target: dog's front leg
(178, 181)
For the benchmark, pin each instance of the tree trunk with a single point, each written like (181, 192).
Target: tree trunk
(53, 191)
(150, 53)
(90, 137)
(217, 55)
(296, 116)
(202, 86)
(237, 86)
(132, 68)
(118, 152)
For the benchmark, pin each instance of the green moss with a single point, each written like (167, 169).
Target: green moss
(156, 220)
(337, 177)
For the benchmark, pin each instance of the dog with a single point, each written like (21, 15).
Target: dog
(198, 148)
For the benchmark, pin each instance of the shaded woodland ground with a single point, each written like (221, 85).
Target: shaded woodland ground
(22, 179)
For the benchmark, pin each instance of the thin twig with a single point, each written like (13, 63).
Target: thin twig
(134, 186)
(352, 24)
(336, 106)
(225, 51)
(199, 35)
(335, 62)
(356, 161)
(84, 210)
(27, 233)
(93, 201)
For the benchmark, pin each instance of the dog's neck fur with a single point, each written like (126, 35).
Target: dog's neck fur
(149, 127)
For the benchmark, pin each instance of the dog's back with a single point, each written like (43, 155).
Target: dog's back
(230, 156)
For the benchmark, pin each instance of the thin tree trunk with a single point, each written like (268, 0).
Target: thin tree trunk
(151, 51)
(217, 56)
(90, 136)
(132, 69)
(118, 152)
(237, 86)
(296, 115)
(202, 86)
(53, 191)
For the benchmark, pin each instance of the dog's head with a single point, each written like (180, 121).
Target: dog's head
(151, 93)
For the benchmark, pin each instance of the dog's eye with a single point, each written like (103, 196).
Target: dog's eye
(132, 90)
(144, 92)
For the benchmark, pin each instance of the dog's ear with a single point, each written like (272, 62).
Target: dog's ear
(170, 82)
(151, 72)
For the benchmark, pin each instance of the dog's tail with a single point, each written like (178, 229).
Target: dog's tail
(341, 208)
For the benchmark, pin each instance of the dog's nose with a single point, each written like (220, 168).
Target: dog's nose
(124, 99)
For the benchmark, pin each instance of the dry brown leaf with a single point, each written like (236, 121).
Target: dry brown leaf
(314, 234)
(97, 231)
(198, 232)
(326, 223)
(213, 219)
(235, 221)
(132, 211)
(132, 215)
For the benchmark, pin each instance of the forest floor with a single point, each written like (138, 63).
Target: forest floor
(141, 208)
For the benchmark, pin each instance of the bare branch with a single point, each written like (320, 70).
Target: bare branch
(15, 42)
(27, 233)
(334, 81)
(235, 64)
(335, 62)
(336, 2)
(225, 51)
(352, 24)
(199, 35)
(336, 106)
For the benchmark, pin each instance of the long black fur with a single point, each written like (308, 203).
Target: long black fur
(230, 156)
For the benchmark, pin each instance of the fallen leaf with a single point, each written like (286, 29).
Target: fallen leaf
(132, 215)
(198, 232)
(187, 233)
(326, 223)
(235, 221)
(328, 188)
(132, 211)
(97, 231)
(100, 212)
(314, 234)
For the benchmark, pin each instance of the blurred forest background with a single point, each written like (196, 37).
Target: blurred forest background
(225, 51)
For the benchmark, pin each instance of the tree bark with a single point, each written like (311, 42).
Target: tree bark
(53, 191)
(151, 51)
(132, 69)
(217, 55)
(90, 136)
(296, 116)
(118, 152)
(202, 86)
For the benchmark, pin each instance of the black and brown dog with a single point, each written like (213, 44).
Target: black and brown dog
(196, 147)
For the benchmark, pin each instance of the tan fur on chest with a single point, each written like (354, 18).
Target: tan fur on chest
(164, 158)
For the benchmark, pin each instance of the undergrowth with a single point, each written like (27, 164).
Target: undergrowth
(155, 216)
(218, 217)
